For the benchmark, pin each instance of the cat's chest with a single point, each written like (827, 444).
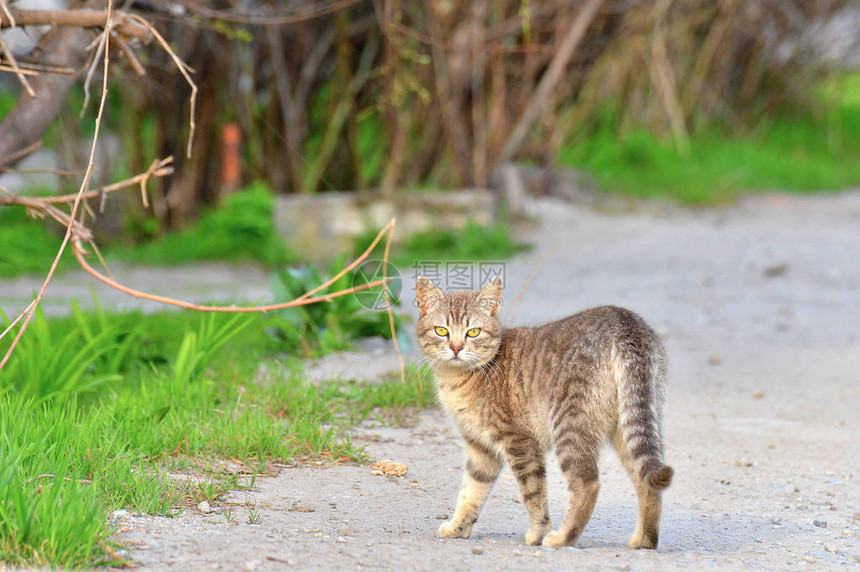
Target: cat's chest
(471, 410)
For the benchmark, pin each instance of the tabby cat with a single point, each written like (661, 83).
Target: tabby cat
(569, 385)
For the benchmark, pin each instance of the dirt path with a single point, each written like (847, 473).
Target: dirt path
(760, 309)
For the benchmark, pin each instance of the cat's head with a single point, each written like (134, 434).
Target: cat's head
(459, 329)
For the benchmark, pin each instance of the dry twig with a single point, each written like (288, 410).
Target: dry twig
(78, 234)
(303, 300)
(185, 70)
(273, 19)
(17, 70)
(31, 69)
(388, 305)
(160, 168)
(120, 21)
(7, 14)
(51, 476)
(13, 63)
(71, 225)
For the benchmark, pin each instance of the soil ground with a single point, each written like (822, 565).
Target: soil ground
(759, 307)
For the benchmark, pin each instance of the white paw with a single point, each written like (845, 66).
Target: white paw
(449, 530)
(535, 535)
(639, 540)
(554, 540)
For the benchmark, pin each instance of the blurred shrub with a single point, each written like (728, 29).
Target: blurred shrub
(240, 228)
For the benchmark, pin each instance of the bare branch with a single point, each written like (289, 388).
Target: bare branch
(274, 19)
(70, 229)
(303, 300)
(129, 55)
(7, 14)
(33, 69)
(184, 69)
(102, 41)
(120, 21)
(388, 305)
(25, 124)
(16, 69)
(59, 172)
(13, 63)
(162, 168)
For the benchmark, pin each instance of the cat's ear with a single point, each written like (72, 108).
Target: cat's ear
(490, 297)
(427, 295)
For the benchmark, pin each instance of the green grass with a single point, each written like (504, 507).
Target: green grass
(96, 410)
(798, 153)
(27, 244)
(473, 243)
(241, 228)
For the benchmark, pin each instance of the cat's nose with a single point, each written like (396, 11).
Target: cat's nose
(456, 349)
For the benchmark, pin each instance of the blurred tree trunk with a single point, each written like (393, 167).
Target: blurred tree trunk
(25, 125)
(395, 92)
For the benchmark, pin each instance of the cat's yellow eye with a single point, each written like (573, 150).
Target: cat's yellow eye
(441, 331)
(473, 333)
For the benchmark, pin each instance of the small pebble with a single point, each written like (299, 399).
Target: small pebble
(477, 550)
(118, 515)
(204, 507)
(758, 394)
(820, 523)
(775, 270)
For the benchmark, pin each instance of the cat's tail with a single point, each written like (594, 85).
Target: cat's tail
(640, 380)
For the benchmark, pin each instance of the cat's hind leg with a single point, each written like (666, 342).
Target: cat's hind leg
(650, 503)
(528, 463)
(482, 467)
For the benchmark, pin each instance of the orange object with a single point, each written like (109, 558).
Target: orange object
(231, 158)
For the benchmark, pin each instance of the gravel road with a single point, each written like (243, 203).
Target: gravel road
(759, 306)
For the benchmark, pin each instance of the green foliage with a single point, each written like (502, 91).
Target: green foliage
(371, 148)
(386, 396)
(7, 102)
(28, 245)
(793, 152)
(45, 366)
(241, 228)
(63, 468)
(473, 243)
(329, 326)
(117, 398)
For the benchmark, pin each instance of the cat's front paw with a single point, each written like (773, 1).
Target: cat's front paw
(535, 535)
(554, 540)
(640, 540)
(450, 530)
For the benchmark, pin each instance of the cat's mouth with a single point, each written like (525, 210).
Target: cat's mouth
(460, 360)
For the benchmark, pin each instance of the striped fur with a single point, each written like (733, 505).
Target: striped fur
(570, 385)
